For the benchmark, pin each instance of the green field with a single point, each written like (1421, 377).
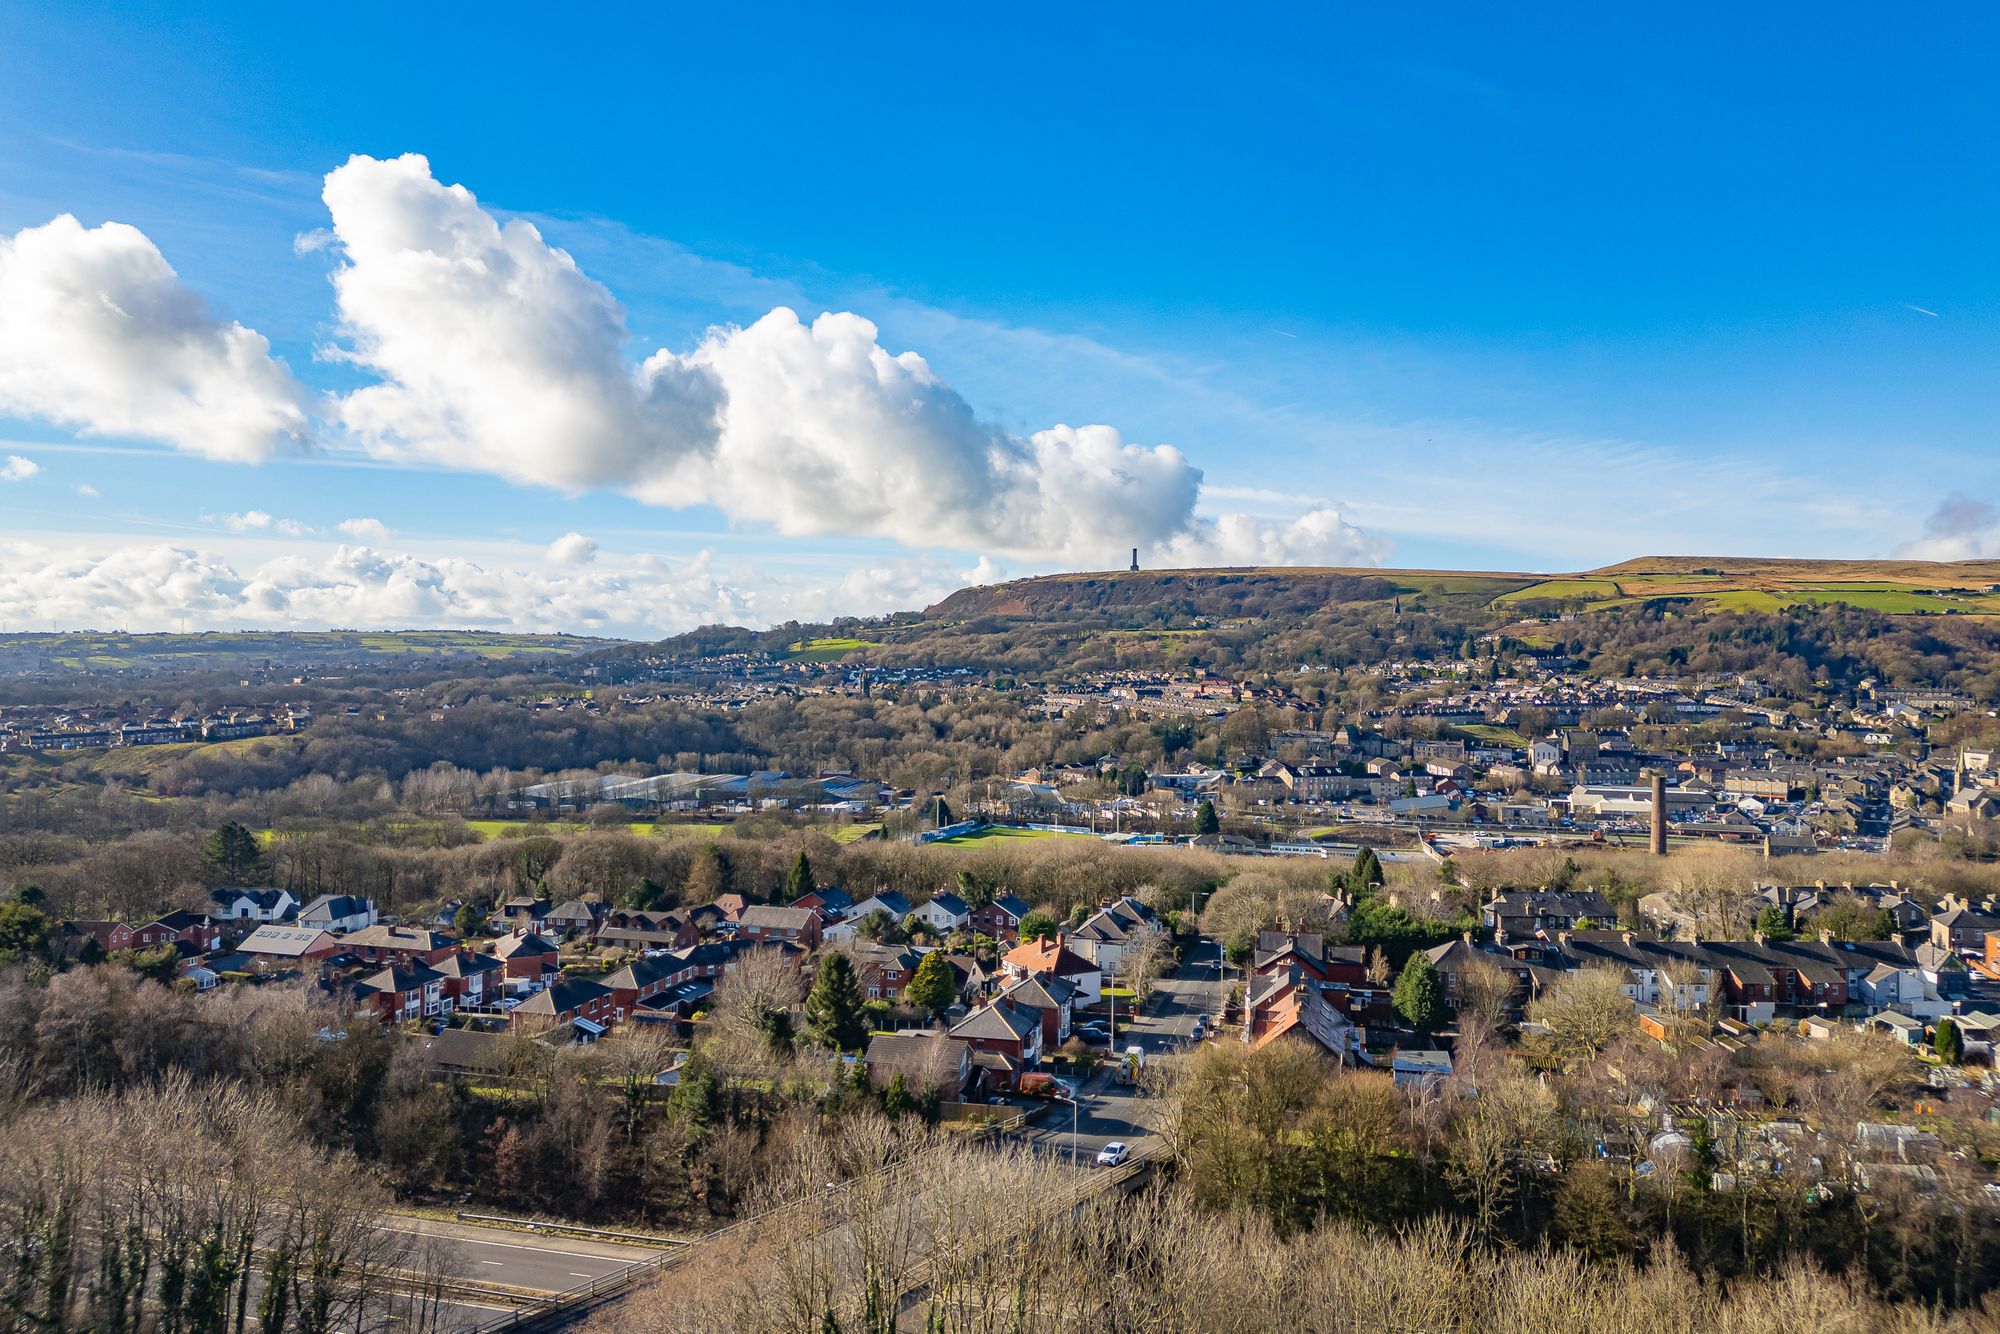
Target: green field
(1493, 734)
(1000, 834)
(826, 650)
(1562, 589)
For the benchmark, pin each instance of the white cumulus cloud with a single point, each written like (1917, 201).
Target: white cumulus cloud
(496, 353)
(1960, 528)
(99, 334)
(572, 549)
(18, 469)
(153, 586)
(368, 530)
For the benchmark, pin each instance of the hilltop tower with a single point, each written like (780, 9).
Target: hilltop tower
(1135, 560)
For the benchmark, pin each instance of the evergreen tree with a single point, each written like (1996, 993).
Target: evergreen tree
(233, 855)
(1419, 993)
(934, 986)
(1037, 924)
(1771, 924)
(1950, 1043)
(940, 812)
(468, 921)
(1367, 872)
(833, 1007)
(1205, 819)
(25, 930)
(646, 895)
(799, 882)
(896, 1097)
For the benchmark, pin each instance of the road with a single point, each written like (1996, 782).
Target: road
(519, 1261)
(1107, 1111)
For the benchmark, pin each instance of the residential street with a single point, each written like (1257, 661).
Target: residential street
(1109, 1111)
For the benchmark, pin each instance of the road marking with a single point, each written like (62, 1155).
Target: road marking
(574, 1274)
(492, 1262)
(515, 1246)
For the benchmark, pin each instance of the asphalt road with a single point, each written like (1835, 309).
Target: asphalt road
(1107, 1111)
(521, 1259)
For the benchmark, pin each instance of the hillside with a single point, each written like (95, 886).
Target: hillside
(1897, 587)
(116, 651)
(1152, 595)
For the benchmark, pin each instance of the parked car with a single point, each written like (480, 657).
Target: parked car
(1113, 1154)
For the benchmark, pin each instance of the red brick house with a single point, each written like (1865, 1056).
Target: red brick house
(1000, 919)
(1049, 997)
(110, 936)
(1054, 958)
(471, 981)
(790, 926)
(883, 971)
(181, 927)
(1006, 1030)
(398, 944)
(564, 1001)
(527, 957)
(404, 991)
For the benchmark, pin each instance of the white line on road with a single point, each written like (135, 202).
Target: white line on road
(574, 1274)
(513, 1246)
(492, 1262)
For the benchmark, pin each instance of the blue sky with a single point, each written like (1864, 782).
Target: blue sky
(1498, 290)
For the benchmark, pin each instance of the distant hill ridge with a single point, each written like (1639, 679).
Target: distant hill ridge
(1735, 582)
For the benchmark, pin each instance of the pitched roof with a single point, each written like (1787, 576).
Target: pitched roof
(334, 905)
(1013, 906)
(777, 919)
(563, 995)
(383, 937)
(1049, 956)
(525, 947)
(285, 942)
(1002, 1021)
(1043, 991)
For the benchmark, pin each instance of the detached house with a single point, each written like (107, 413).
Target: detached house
(1105, 934)
(574, 920)
(1000, 919)
(180, 927)
(338, 913)
(791, 926)
(888, 901)
(398, 944)
(927, 1061)
(944, 914)
(239, 904)
(883, 971)
(270, 947)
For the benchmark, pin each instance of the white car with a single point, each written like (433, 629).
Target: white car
(1113, 1154)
